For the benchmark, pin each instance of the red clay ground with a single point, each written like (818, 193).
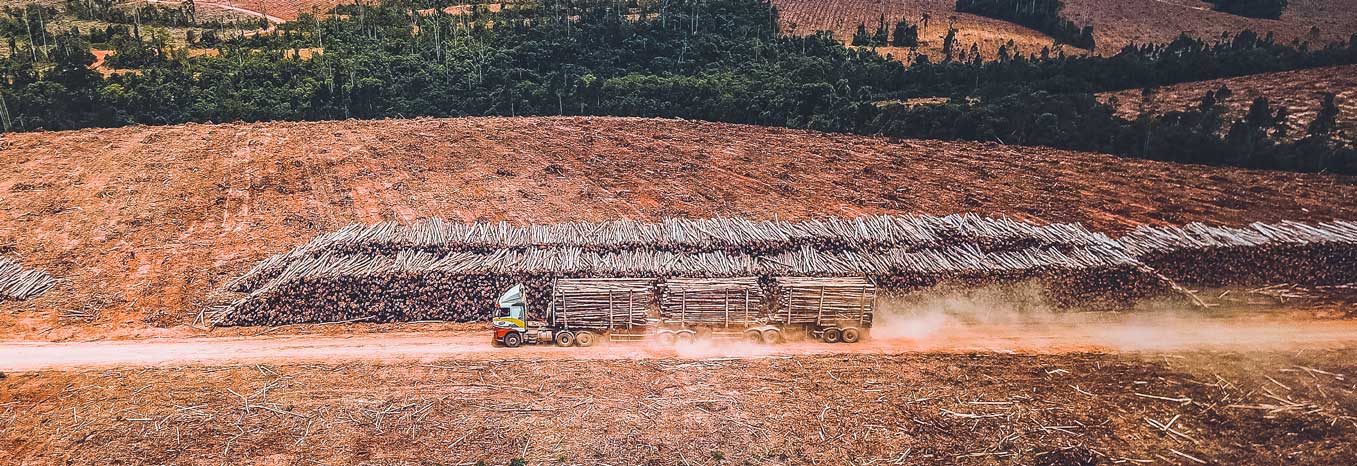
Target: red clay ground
(142, 224)
(1122, 22)
(973, 408)
(1299, 91)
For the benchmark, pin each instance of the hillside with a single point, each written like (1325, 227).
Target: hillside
(140, 224)
(1299, 91)
(843, 16)
(1120, 23)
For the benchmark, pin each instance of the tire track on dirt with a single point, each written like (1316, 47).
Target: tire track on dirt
(1121, 335)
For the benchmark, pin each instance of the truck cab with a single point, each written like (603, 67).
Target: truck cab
(510, 321)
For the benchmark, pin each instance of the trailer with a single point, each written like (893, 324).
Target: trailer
(830, 309)
(583, 311)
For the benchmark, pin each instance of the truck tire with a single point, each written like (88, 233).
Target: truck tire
(513, 339)
(832, 335)
(586, 338)
(563, 338)
(772, 336)
(685, 337)
(851, 335)
(753, 336)
(665, 337)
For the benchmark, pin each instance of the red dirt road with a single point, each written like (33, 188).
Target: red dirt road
(1120, 334)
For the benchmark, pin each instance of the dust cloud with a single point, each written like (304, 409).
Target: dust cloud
(1018, 317)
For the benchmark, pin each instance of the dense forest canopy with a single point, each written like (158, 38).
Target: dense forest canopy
(723, 60)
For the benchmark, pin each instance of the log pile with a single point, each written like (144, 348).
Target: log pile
(688, 237)
(807, 300)
(708, 301)
(436, 270)
(602, 303)
(1210, 256)
(18, 283)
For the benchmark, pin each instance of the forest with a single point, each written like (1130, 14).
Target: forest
(720, 60)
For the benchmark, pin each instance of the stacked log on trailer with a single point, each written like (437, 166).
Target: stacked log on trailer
(810, 300)
(734, 301)
(1260, 254)
(602, 303)
(18, 283)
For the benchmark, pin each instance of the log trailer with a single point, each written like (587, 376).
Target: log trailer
(580, 312)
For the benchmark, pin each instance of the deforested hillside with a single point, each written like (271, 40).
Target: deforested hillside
(1123, 22)
(843, 17)
(140, 224)
(1300, 92)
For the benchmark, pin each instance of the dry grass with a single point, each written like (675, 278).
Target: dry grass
(143, 223)
(841, 409)
(1299, 91)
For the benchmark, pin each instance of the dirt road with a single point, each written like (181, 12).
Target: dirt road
(1122, 334)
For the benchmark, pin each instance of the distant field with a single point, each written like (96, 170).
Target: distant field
(843, 16)
(1122, 22)
(1299, 91)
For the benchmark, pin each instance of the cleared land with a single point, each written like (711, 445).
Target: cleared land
(985, 408)
(843, 16)
(142, 224)
(1117, 24)
(1298, 91)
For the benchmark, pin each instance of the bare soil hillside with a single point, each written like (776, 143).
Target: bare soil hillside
(1299, 91)
(923, 408)
(140, 224)
(843, 16)
(1117, 24)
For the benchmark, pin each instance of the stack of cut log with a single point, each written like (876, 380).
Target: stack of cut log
(601, 303)
(708, 301)
(731, 236)
(1259, 254)
(451, 271)
(18, 283)
(805, 300)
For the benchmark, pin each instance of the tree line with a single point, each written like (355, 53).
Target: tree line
(905, 35)
(721, 60)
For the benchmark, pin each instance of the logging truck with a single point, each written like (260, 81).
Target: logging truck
(581, 312)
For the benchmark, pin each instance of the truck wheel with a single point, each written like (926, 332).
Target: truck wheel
(665, 337)
(832, 335)
(586, 338)
(513, 339)
(753, 336)
(563, 338)
(772, 336)
(686, 337)
(851, 335)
